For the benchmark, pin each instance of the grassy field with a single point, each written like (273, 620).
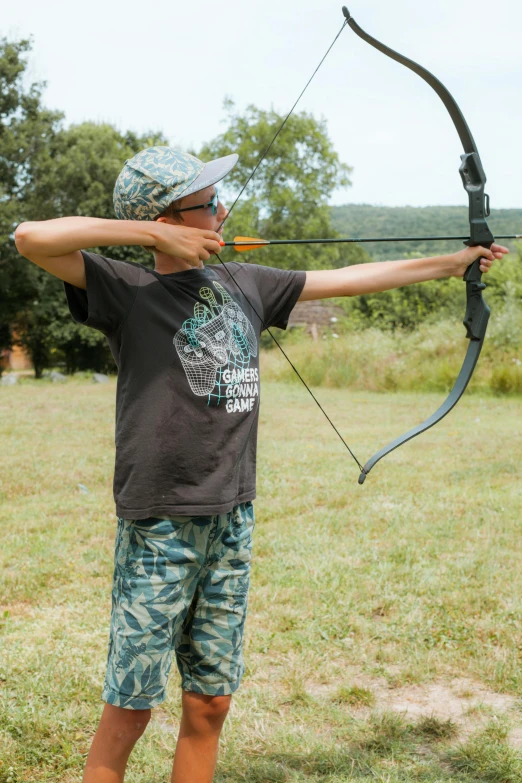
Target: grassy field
(383, 638)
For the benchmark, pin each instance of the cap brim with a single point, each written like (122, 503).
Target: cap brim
(214, 171)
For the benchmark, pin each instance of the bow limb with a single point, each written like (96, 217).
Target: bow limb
(474, 181)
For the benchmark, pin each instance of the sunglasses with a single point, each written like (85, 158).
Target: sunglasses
(213, 204)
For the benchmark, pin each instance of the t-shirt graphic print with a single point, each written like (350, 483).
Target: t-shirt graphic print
(215, 347)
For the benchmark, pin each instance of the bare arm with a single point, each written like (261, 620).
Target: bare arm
(55, 244)
(385, 275)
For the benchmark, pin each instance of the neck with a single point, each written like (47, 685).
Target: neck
(165, 264)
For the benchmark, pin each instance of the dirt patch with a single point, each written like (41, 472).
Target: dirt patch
(17, 609)
(465, 702)
(515, 738)
(455, 700)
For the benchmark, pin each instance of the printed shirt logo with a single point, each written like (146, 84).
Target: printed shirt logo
(215, 348)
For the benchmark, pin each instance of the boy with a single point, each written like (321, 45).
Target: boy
(185, 339)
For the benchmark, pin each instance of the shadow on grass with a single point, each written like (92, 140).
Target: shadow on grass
(389, 750)
(342, 766)
(335, 765)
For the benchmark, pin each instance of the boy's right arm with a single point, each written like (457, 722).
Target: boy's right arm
(55, 244)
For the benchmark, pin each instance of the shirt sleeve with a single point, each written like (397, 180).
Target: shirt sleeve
(279, 290)
(112, 287)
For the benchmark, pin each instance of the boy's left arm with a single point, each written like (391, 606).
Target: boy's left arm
(385, 275)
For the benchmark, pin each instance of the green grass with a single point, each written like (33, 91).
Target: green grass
(362, 598)
(485, 757)
(355, 696)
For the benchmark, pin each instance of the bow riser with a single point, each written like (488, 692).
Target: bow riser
(474, 181)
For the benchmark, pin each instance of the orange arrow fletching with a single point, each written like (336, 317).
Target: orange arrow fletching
(250, 243)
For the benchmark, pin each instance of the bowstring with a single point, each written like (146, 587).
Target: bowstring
(265, 153)
(233, 277)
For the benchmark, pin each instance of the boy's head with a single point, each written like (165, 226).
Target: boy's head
(158, 182)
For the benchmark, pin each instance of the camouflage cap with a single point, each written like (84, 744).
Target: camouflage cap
(156, 176)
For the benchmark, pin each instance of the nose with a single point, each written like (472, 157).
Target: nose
(222, 212)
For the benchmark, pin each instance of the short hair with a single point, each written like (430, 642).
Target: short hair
(170, 211)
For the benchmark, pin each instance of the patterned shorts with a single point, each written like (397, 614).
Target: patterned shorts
(180, 585)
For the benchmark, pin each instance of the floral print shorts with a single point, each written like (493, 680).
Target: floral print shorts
(180, 586)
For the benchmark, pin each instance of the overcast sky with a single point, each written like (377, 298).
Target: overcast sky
(167, 65)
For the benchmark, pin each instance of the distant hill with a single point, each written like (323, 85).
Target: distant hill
(365, 220)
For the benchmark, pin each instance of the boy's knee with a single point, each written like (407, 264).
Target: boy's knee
(204, 712)
(125, 724)
(217, 706)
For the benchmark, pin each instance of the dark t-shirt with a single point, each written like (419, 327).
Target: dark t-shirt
(186, 345)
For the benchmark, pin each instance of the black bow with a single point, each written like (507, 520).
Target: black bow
(474, 181)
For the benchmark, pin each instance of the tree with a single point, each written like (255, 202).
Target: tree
(47, 171)
(25, 130)
(288, 196)
(74, 175)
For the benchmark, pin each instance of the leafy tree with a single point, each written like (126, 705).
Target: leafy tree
(25, 130)
(288, 196)
(75, 176)
(47, 171)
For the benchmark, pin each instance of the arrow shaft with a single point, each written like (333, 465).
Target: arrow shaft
(355, 240)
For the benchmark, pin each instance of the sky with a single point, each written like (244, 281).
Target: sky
(168, 65)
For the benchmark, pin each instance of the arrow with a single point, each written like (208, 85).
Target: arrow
(242, 244)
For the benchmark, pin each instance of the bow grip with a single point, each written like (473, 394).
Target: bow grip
(477, 312)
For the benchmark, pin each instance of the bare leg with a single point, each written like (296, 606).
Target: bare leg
(198, 741)
(116, 735)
